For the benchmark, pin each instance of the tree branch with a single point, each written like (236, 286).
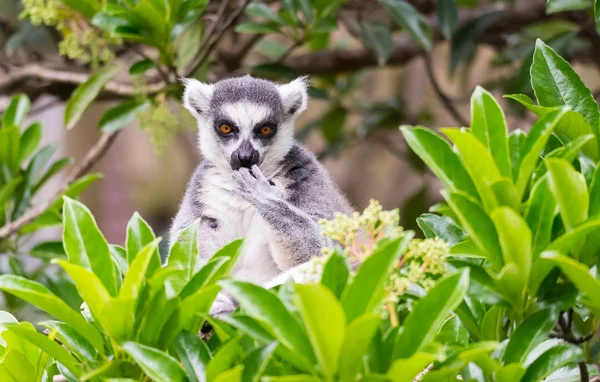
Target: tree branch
(87, 162)
(446, 101)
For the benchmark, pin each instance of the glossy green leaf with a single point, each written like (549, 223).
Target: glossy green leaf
(335, 274)
(141, 67)
(256, 363)
(122, 115)
(516, 141)
(406, 370)
(530, 333)
(7, 191)
(539, 214)
(38, 295)
(570, 191)
(554, 6)
(260, 28)
(365, 292)
(509, 373)
(9, 147)
(443, 227)
(594, 209)
(136, 276)
(429, 313)
(506, 193)
(140, 234)
(85, 8)
(72, 340)
(325, 327)
(491, 326)
(194, 354)
(224, 359)
(261, 10)
(75, 189)
(478, 162)
(85, 245)
(17, 110)
(515, 239)
(478, 226)
(579, 275)
(30, 140)
(266, 306)
(566, 242)
(157, 365)
(184, 250)
(378, 37)
(440, 158)
(447, 12)
(551, 360)
(54, 168)
(51, 347)
(488, 124)
(410, 20)
(555, 83)
(359, 334)
(85, 94)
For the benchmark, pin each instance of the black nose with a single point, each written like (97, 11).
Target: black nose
(244, 156)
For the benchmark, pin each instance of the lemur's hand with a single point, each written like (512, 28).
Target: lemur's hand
(254, 187)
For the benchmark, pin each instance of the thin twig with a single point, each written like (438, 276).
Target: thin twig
(87, 162)
(446, 101)
(583, 372)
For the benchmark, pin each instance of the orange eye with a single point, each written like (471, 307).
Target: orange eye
(225, 129)
(266, 130)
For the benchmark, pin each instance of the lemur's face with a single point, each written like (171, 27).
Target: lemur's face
(245, 121)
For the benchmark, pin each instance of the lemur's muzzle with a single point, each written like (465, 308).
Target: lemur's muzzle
(244, 156)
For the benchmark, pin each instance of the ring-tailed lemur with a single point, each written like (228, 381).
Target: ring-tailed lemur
(256, 181)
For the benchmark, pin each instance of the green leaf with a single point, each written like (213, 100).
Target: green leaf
(85, 245)
(515, 240)
(570, 191)
(357, 340)
(85, 8)
(440, 158)
(378, 37)
(447, 13)
(224, 359)
(30, 139)
(526, 101)
(122, 115)
(136, 276)
(256, 362)
(17, 110)
(443, 227)
(594, 210)
(491, 326)
(72, 340)
(260, 28)
(530, 333)
(332, 123)
(75, 189)
(261, 10)
(534, 144)
(264, 305)
(56, 351)
(554, 6)
(366, 291)
(579, 275)
(335, 274)
(9, 147)
(184, 250)
(52, 170)
(479, 227)
(157, 365)
(141, 67)
(85, 94)
(38, 295)
(428, 315)
(555, 83)
(325, 327)
(488, 124)
(406, 370)
(7, 191)
(509, 373)
(140, 234)
(410, 20)
(539, 214)
(551, 360)
(194, 354)
(478, 162)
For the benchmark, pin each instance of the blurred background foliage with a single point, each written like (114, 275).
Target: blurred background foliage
(91, 68)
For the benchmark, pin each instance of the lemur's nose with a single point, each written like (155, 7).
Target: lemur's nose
(244, 156)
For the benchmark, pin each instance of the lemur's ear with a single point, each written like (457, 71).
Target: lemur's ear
(294, 96)
(197, 96)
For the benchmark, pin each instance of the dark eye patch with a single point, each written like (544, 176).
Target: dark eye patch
(212, 223)
(267, 123)
(220, 122)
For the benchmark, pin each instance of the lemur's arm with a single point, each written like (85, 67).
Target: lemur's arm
(297, 235)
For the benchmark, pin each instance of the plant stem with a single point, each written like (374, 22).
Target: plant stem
(583, 372)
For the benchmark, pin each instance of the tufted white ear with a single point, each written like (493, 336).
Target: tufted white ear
(197, 96)
(294, 96)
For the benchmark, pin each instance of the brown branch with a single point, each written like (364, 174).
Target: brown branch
(87, 162)
(446, 101)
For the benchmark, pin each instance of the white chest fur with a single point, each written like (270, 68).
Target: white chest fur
(235, 218)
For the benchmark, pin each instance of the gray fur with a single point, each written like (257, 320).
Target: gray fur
(274, 205)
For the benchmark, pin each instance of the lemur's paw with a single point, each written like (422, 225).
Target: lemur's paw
(254, 186)
(223, 305)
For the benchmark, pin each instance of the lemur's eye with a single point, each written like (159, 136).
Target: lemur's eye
(266, 130)
(225, 129)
